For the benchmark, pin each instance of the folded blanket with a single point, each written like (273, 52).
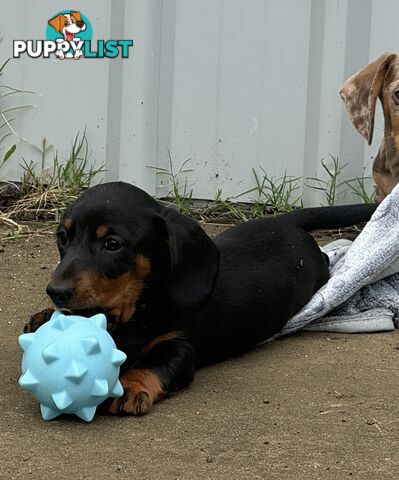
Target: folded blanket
(362, 294)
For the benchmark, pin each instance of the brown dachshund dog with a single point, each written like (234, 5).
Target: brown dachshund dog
(359, 93)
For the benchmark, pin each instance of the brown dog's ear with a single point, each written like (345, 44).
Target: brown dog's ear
(194, 261)
(56, 22)
(360, 93)
(76, 16)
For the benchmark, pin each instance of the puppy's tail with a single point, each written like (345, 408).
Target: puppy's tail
(326, 218)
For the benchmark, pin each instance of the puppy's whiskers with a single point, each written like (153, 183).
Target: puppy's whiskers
(41, 303)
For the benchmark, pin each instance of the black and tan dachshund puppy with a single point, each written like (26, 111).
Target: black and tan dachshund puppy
(175, 299)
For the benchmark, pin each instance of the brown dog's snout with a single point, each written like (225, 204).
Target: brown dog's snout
(61, 295)
(80, 23)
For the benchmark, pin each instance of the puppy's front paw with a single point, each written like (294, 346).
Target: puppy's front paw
(142, 388)
(60, 54)
(37, 320)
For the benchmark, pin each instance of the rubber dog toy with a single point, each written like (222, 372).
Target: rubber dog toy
(71, 365)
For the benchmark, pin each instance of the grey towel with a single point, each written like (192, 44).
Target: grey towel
(362, 294)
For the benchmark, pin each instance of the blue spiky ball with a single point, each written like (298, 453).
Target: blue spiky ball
(71, 365)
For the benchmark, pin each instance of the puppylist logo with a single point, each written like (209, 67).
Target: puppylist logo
(69, 36)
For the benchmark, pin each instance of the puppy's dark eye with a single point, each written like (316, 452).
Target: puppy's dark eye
(396, 95)
(111, 244)
(62, 238)
(66, 22)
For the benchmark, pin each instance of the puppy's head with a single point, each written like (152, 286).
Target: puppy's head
(379, 79)
(68, 24)
(120, 249)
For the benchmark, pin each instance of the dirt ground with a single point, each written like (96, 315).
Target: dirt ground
(305, 407)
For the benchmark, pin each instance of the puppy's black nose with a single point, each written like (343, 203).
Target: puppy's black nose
(59, 295)
(80, 23)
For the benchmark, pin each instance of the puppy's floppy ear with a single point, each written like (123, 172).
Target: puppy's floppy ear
(194, 261)
(360, 93)
(76, 16)
(56, 22)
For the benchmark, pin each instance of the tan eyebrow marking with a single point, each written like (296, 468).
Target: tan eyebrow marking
(101, 231)
(68, 222)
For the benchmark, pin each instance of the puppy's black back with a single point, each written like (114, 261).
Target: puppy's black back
(269, 269)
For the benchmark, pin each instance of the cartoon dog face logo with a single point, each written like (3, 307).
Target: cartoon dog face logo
(68, 25)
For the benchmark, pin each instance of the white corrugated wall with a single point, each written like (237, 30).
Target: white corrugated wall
(231, 84)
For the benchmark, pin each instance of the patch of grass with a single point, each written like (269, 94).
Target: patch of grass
(72, 176)
(179, 194)
(47, 191)
(223, 209)
(332, 187)
(274, 194)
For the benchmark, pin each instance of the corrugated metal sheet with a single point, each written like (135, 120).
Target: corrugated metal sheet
(231, 84)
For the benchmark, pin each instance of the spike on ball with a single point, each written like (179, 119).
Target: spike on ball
(50, 353)
(118, 357)
(91, 345)
(26, 340)
(100, 388)
(86, 413)
(117, 391)
(76, 371)
(100, 320)
(48, 413)
(28, 381)
(62, 400)
(62, 322)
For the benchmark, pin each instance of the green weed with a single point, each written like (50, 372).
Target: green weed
(274, 194)
(332, 187)
(179, 194)
(358, 187)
